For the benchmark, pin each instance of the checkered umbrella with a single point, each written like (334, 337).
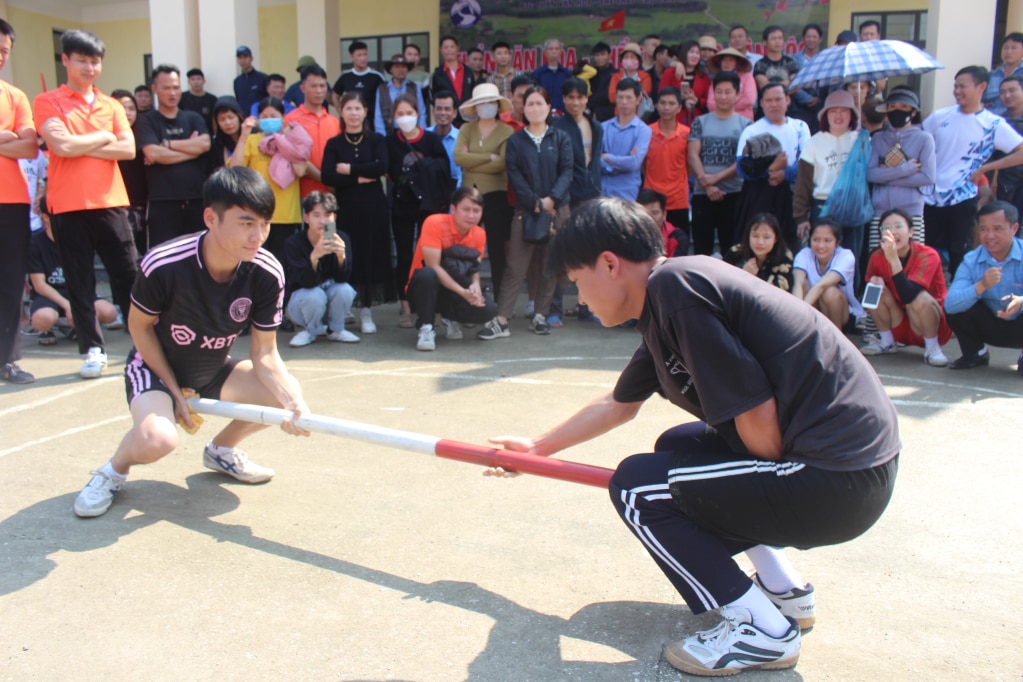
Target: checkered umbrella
(863, 62)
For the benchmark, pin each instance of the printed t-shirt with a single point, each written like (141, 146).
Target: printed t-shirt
(198, 317)
(717, 343)
(44, 258)
(827, 154)
(718, 139)
(15, 116)
(439, 232)
(82, 182)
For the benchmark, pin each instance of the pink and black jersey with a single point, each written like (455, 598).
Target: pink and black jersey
(198, 317)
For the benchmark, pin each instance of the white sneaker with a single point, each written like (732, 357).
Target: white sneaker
(366, 317)
(302, 338)
(237, 464)
(97, 495)
(733, 646)
(117, 323)
(95, 361)
(935, 358)
(877, 347)
(797, 604)
(344, 336)
(452, 329)
(427, 338)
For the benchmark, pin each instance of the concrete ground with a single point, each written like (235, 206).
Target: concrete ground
(367, 563)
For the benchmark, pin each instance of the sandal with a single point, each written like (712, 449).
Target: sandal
(554, 322)
(572, 312)
(405, 321)
(47, 338)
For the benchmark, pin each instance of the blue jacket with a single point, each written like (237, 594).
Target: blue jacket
(552, 80)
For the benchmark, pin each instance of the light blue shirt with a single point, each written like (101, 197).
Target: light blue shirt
(395, 92)
(449, 142)
(991, 100)
(962, 295)
(620, 171)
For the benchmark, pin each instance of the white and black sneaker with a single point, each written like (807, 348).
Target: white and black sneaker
(736, 644)
(797, 604)
(493, 330)
(97, 496)
(452, 329)
(538, 325)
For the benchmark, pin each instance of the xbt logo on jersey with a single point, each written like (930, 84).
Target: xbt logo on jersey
(183, 336)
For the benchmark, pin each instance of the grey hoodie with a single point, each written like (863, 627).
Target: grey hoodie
(899, 187)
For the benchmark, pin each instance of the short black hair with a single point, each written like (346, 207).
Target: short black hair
(727, 77)
(648, 36)
(121, 92)
(325, 199)
(7, 30)
(577, 85)
(629, 84)
(1015, 37)
(736, 27)
(600, 47)
(357, 45)
(277, 77)
(311, 70)
(871, 22)
(447, 37)
(651, 196)
(445, 94)
(520, 80)
(467, 192)
(1013, 79)
(1011, 212)
(499, 44)
(831, 224)
(773, 83)
(239, 187)
(772, 29)
(269, 101)
(82, 42)
(141, 88)
(663, 47)
(44, 209)
(195, 72)
(813, 27)
(669, 90)
(473, 49)
(901, 212)
(542, 91)
(979, 74)
(164, 68)
(414, 47)
(605, 224)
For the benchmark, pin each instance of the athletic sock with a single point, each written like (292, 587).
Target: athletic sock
(766, 615)
(931, 343)
(109, 470)
(218, 449)
(887, 338)
(774, 570)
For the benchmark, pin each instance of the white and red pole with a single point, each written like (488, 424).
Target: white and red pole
(521, 462)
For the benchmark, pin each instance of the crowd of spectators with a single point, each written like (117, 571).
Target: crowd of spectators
(710, 139)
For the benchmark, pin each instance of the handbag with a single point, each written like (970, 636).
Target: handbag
(537, 227)
(849, 202)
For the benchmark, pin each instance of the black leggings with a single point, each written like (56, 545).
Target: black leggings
(694, 504)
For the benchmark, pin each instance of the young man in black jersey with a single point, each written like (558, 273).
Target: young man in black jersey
(193, 297)
(797, 443)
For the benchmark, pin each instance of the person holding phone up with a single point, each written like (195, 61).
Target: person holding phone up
(912, 292)
(317, 271)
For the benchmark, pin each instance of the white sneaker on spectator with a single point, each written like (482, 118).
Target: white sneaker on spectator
(344, 336)
(935, 358)
(95, 361)
(302, 338)
(366, 318)
(736, 644)
(427, 338)
(118, 323)
(98, 494)
(452, 329)
(877, 347)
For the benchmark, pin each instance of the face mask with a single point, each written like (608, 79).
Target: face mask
(407, 123)
(899, 118)
(487, 110)
(630, 64)
(271, 125)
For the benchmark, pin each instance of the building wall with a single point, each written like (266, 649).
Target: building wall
(278, 40)
(840, 14)
(33, 52)
(127, 41)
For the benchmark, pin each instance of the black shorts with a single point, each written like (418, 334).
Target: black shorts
(40, 302)
(139, 379)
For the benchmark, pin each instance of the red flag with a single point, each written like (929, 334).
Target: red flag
(613, 22)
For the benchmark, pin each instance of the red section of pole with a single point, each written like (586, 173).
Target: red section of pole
(525, 463)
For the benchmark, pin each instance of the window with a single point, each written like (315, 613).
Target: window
(58, 53)
(382, 48)
(910, 27)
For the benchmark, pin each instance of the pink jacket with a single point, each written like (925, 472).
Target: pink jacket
(285, 149)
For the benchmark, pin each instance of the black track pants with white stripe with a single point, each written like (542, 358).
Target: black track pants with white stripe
(694, 504)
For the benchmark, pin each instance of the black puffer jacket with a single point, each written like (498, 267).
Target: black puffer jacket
(536, 173)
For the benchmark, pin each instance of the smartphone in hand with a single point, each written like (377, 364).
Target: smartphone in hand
(330, 230)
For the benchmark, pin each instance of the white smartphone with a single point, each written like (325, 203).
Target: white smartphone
(872, 295)
(330, 230)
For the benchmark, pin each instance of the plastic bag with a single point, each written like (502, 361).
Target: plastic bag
(849, 202)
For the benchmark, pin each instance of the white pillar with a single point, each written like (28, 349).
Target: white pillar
(318, 22)
(174, 33)
(223, 26)
(958, 34)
